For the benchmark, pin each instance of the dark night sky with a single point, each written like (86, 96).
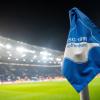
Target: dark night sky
(41, 22)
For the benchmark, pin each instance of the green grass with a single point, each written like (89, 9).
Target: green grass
(54, 90)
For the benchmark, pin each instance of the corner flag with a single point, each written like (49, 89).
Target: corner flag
(81, 61)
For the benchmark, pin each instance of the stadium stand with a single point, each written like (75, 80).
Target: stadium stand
(21, 61)
(34, 73)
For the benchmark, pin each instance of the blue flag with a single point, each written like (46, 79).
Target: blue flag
(81, 61)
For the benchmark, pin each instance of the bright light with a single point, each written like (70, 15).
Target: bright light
(45, 53)
(23, 55)
(1, 45)
(21, 49)
(49, 54)
(44, 58)
(58, 59)
(31, 51)
(10, 55)
(8, 46)
(9, 58)
(35, 56)
(17, 59)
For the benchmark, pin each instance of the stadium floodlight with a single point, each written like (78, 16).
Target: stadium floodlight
(58, 59)
(8, 46)
(10, 55)
(49, 54)
(31, 51)
(1, 45)
(9, 58)
(45, 53)
(35, 56)
(21, 49)
(17, 59)
(44, 58)
(23, 55)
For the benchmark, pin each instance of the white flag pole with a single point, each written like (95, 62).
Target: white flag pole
(84, 94)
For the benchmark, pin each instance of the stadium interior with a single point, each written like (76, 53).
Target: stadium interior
(20, 61)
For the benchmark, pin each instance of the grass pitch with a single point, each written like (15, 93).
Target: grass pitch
(52, 90)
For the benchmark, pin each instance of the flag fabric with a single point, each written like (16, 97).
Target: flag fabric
(81, 61)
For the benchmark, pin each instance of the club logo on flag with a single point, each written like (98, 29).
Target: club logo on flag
(81, 61)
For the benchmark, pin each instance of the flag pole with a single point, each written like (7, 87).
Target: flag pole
(84, 94)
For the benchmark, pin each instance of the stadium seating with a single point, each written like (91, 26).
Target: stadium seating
(34, 73)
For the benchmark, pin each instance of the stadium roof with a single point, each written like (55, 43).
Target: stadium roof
(16, 52)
